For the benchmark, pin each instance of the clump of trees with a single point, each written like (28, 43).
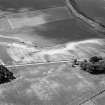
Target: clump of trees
(5, 75)
(94, 65)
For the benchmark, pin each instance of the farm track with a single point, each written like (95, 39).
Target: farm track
(73, 7)
(19, 65)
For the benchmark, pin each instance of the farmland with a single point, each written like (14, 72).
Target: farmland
(39, 45)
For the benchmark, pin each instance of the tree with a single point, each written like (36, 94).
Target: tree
(5, 75)
(95, 59)
(95, 65)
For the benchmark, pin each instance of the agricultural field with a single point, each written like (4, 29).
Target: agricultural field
(40, 40)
